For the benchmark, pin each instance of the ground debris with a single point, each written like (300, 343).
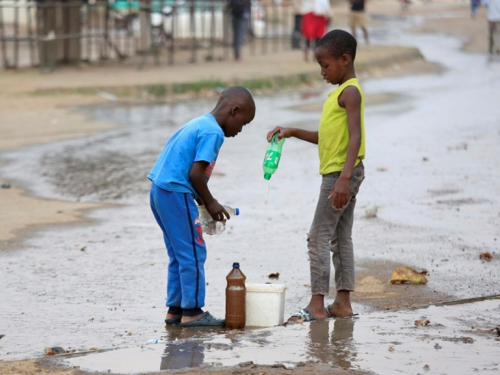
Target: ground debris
(495, 330)
(422, 322)
(408, 275)
(274, 276)
(486, 256)
(247, 364)
(295, 321)
(371, 211)
(55, 350)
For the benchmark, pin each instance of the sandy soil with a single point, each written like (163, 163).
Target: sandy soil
(56, 121)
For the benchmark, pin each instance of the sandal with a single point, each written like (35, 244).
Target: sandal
(306, 315)
(206, 320)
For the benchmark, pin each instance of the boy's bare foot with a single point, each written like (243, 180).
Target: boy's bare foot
(341, 306)
(337, 309)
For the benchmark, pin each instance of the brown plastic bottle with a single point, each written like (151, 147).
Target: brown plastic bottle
(235, 298)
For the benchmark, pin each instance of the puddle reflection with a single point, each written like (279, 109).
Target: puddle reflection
(331, 341)
(182, 355)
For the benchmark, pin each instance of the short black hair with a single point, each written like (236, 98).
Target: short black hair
(338, 42)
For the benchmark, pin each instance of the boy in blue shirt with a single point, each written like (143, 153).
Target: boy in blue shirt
(179, 178)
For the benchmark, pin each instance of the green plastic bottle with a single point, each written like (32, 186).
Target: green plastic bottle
(273, 156)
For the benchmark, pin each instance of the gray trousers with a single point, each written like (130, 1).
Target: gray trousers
(494, 37)
(331, 231)
(240, 28)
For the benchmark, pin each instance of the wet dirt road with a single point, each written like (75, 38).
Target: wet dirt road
(431, 169)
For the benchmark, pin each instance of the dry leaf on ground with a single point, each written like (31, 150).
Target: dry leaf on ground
(486, 256)
(408, 275)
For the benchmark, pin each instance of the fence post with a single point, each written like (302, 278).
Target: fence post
(71, 25)
(46, 31)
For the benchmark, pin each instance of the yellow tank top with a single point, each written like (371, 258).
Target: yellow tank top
(333, 133)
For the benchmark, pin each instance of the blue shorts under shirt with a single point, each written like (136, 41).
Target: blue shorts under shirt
(172, 202)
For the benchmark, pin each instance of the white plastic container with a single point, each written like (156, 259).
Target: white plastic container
(265, 305)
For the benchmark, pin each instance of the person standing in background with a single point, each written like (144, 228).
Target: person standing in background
(297, 22)
(493, 17)
(316, 16)
(357, 17)
(474, 4)
(240, 15)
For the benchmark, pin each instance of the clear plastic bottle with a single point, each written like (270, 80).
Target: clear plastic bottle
(209, 225)
(273, 156)
(235, 298)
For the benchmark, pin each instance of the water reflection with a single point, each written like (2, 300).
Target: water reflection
(182, 355)
(331, 341)
(184, 348)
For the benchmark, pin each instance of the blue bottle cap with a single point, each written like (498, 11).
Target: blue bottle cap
(236, 211)
(236, 265)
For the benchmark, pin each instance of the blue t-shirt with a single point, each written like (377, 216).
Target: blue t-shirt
(199, 140)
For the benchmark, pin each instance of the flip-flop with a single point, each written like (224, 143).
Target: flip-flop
(174, 320)
(330, 315)
(206, 320)
(305, 314)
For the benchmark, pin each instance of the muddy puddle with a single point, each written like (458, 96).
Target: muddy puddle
(458, 339)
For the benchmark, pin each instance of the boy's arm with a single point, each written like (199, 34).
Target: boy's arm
(350, 99)
(305, 135)
(199, 180)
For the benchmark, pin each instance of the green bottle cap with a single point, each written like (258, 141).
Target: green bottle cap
(267, 176)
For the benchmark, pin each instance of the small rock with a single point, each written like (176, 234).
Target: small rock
(274, 276)
(54, 350)
(422, 322)
(246, 364)
(437, 346)
(467, 340)
(371, 211)
(6, 186)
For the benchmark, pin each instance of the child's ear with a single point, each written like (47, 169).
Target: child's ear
(345, 59)
(235, 110)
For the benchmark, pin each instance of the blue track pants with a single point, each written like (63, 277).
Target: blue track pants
(177, 215)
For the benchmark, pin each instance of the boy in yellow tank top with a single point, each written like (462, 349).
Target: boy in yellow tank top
(341, 145)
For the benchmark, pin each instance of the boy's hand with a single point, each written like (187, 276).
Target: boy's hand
(340, 193)
(283, 133)
(217, 212)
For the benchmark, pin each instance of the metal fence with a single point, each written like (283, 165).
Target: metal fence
(48, 33)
